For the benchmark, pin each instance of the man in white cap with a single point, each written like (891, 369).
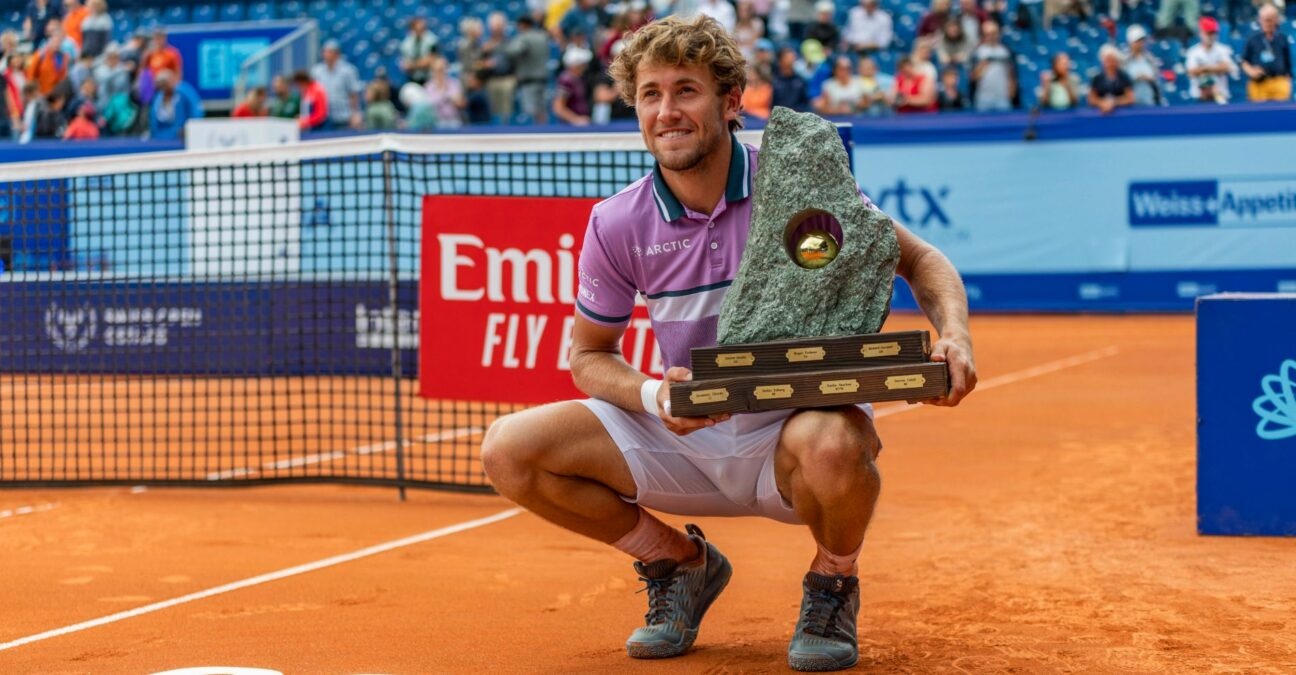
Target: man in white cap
(1142, 67)
(721, 11)
(572, 100)
(342, 86)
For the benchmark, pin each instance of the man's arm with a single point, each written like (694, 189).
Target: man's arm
(599, 369)
(939, 291)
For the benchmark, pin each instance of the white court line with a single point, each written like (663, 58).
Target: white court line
(322, 457)
(26, 510)
(1018, 376)
(265, 578)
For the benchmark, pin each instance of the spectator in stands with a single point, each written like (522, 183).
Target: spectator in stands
(1059, 87)
(1209, 63)
(74, 14)
(82, 69)
(8, 44)
(529, 54)
(950, 97)
(877, 87)
(10, 106)
(758, 95)
(174, 103)
(1165, 18)
(923, 60)
(57, 35)
(380, 111)
(253, 104)
(571, 102)
(84, 126)
(468, 50)
(825, 29)
(764, 55)
(49, 65)
(842, 93)
(1081, 9)
(135, 47)
(38, 15)
(580, 23)
(162, 56)
(994, 72)
(798, 16)
(477, 108)
(1030, 16)
(43, 116)
(313, 103)
(341, 82)
(721, 11)
(284, 102)
(1266, 59)
(1111, 88)
(96, 30)
(868, 28)
(749, 29)
(608, 103)
(86, 92)
(417, 50)
(1142, 68)
(954, 46)
(633, 16)
(496, 68)
(931, 22)
(790, 89)
(446, 95)
(971, 16)
(915, 92)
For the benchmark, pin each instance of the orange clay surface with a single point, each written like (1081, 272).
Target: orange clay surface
(1046, 525)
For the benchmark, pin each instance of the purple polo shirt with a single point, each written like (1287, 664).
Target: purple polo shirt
(642, 240)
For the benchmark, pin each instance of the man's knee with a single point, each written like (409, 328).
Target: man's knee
(508, 456)
(831, 443)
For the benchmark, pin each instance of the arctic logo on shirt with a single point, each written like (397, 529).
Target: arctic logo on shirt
(659, 249)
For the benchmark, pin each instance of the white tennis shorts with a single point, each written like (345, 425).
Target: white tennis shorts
(724, 470)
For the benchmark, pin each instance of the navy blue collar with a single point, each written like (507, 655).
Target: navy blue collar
(738, 185)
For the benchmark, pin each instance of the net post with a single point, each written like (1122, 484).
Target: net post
(393, 298)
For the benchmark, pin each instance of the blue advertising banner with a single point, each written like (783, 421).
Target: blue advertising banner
(212, 54)
(228, 329)
(1246, 414)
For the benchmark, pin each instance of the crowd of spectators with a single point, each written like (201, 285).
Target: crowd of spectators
(64, 75)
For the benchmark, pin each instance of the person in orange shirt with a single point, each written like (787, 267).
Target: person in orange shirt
(73, 14)
(48, 66)
(162, 56)
(84, 126)
(758, 97)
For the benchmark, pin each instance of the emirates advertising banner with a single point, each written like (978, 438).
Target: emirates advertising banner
(497, 296)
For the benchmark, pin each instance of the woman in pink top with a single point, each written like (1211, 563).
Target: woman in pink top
(445, 95)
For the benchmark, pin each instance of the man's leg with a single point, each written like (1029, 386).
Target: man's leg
(824, 465)
(561, 463)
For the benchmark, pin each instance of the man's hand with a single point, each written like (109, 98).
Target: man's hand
(681, 425)
(957, 352)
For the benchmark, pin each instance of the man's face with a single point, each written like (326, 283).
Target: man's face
(990, 32)
(1269, 19)
(159, 41)
(683, 118)
(330, 56)
(1207, 38)
(418, 26)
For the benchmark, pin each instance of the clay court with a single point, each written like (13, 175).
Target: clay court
(1045, 525)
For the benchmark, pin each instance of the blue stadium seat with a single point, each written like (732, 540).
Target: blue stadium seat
(261, 11)
(450, 12)
(148, 16)
(175, 14)
(231, 11)
(291, 9)
(203, 13)
(391, 47)
(318, 7)
(370, 63)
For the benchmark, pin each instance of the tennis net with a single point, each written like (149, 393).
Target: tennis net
(250, 316)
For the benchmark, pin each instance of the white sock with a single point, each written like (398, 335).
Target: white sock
(651, 540)
(830, 564)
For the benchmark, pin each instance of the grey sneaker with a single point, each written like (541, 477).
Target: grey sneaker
(677, 599)
(825, 633)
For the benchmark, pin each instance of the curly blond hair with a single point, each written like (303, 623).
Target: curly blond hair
(673, 41)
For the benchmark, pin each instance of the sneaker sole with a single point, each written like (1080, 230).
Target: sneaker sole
(665, 650)
(817, 663)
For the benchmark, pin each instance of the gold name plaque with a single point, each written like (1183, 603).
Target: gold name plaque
(732, 360)
(801, 354)
(773, 391)
(905, 381)
(839, 386)
(880, 349)
(709, 396)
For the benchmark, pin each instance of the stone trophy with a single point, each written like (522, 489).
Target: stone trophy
(798, 328)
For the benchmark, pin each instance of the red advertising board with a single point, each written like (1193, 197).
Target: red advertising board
(497, 292)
